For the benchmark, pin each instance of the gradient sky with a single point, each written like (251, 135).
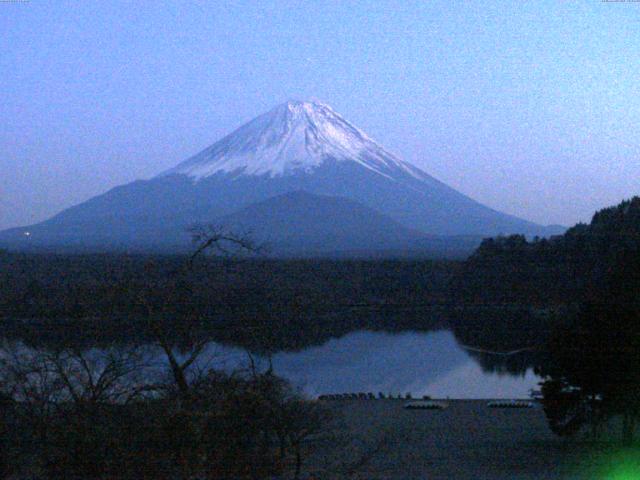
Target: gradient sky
(532, 108)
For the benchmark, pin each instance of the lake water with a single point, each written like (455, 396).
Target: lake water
(423, 363)
(420, 363)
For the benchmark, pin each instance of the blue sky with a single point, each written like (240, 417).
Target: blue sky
(532, 108)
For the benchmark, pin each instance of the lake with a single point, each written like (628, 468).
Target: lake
(430, 363)
(422, 363)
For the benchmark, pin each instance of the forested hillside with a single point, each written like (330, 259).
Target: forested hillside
(513, 294)
(549, 272)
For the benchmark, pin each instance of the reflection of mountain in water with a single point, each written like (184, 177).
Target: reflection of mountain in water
(368, 361)
(417, 362)
(422, 363)
(347, 355)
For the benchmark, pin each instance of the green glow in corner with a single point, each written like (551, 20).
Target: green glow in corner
(624, 466)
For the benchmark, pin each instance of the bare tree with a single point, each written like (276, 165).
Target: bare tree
(206, 239)
(27, 377)
(218, 240)
(300, 421)
(44, 382)
(116, 375)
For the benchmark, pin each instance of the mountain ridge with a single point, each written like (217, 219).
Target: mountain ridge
(295, 146)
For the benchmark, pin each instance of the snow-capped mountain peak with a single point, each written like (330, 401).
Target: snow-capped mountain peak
(348, 187)
(294, 136)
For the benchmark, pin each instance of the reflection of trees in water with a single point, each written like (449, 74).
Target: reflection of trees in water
(513, 364)
(504, 338)
(280, 325)
(265, 329)
(271, 328)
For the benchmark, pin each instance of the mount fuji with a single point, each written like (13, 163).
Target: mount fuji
(299, 175)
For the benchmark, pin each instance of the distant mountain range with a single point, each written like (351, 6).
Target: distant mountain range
(300, 178)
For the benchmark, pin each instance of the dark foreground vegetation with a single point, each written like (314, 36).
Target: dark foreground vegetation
(112, 414)
(567, 306)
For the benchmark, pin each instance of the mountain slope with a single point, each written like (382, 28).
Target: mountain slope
(296, 146)
(303, 222)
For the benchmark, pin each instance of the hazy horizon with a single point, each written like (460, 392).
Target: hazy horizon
(531, 109)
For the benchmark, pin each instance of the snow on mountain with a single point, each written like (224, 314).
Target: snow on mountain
(249, 176)
(292, 137)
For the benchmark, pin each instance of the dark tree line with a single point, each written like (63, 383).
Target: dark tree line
(578, 297)
(264, 305)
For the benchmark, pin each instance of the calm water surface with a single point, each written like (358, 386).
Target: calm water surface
(430, 363)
